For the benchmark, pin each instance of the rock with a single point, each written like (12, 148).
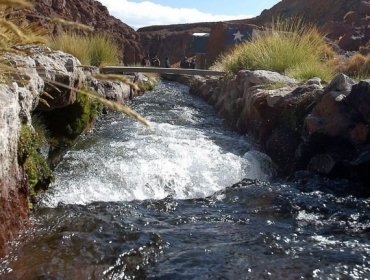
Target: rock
(360, 99)
(268, 106)
(321, 163)
(264, 77)
(329, 116)
(340, 83)
(341, 120)
(13, 191)
(44, 67)
(314, 81)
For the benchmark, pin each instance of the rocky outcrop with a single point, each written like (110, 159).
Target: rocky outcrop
(300, 126)
(13, 188)
(337, 129)
(91, 13)
(45, 82)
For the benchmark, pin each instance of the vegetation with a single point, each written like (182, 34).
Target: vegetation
(291, 48)
(150, 82)
(95, 50)
(357, 66)
(38, 172)
(69, 122)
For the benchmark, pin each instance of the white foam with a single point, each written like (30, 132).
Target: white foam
(153, 164)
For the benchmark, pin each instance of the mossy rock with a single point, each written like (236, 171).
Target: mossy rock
(66, 124)
(34, 164)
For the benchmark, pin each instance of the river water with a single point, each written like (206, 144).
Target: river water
(186, 199)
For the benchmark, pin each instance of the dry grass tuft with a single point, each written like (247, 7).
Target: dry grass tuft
(357, 66)
(72, 24)
(15, 3)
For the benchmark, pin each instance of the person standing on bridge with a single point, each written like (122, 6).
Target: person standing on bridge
(192, 63)
(184, 62)
(155, 61)
(145, 61)
(167, 63)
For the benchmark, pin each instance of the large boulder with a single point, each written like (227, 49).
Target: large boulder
(337, 129)
(53, 74)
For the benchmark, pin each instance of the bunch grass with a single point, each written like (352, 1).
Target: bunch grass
(94, 49)
(356, 66)
(287, 47)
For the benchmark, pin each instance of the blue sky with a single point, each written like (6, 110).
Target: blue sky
(138, 13)
(227, 7)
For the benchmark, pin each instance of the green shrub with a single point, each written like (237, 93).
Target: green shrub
(93, 50)
(286, 47)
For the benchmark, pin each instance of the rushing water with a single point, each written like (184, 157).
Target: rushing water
(186, 199)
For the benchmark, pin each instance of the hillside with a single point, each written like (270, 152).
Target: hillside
(94, 14)
(343, 21)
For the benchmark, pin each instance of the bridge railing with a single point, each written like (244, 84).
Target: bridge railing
(159, 70)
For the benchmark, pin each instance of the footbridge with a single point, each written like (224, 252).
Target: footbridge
(159, 70)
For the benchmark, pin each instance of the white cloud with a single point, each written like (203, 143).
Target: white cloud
(147, 13)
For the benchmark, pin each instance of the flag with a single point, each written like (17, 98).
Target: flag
(238, 35)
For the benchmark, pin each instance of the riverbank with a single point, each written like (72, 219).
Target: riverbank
(301, 126)
(42, 114)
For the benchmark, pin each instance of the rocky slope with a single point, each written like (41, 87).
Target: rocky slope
(94, 14)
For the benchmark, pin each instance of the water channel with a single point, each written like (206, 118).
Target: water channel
(186, 199)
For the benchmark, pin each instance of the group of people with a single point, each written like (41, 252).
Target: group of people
(154, 61)
(186, 63)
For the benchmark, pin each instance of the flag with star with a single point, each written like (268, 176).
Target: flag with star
(237, 35)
